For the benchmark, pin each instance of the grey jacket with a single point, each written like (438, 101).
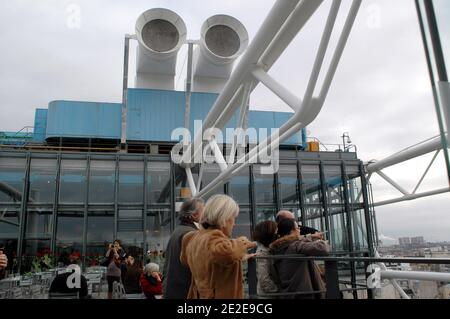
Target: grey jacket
(298, 275)
(177, 277)
(263, 266)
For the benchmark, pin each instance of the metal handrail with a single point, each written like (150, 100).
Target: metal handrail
(332, 276)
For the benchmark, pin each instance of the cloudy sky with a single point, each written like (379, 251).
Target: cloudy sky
(73, 50)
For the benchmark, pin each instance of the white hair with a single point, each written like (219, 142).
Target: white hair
(151, 267)
(218, 210)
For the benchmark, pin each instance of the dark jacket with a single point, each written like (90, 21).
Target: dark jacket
(59, 285)
(177, 277)
(130, 279)
(298, 275)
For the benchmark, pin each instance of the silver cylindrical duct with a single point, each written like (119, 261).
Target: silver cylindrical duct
(160, 33)
(223, 40)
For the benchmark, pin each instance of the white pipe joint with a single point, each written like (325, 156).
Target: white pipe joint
(160, 33)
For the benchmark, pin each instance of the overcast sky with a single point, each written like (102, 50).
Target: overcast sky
(381, 94)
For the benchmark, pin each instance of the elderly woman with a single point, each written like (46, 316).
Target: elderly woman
(215, 260)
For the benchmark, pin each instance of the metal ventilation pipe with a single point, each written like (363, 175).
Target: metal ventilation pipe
(160, 33)
(223, 40)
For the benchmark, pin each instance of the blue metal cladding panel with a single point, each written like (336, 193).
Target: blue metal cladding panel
(71, 119)
(153, 114)
(40, 125)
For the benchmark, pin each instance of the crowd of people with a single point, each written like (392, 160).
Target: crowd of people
(203, 261)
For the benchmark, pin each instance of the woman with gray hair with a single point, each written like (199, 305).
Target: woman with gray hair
(177, 276)
(215, 260)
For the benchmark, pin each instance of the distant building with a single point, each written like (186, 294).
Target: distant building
(417, 241)
(405, 241)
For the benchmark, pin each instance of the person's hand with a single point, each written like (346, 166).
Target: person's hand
(156, 276)
(248, 244)
(317, 236)
(3, 261)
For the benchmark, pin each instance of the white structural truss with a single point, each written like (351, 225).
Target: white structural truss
(284, 22)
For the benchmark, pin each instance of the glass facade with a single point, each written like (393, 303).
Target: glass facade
(79, 203)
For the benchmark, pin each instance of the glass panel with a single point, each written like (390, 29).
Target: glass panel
(359, 229)
(311, 184)
(133, 244)
(314, 217)
(158, 234)
(333, 179)
(102, 182)
(130, 225)
(12, 172)
(9, 224)
(239, 187)
(100, 233)
(264, 186)
(265, 213)
(136, 213)
(210, 172)
(39, 223)
(158, 175)
(158, 227)
(338, 230)
(73, 182)
(287, 178)
(131, 182)
(37, 256)
(242, 227)
(42, 180)
(354, 185)
(69, 232)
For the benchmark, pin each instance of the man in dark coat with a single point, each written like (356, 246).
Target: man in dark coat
(177, 276)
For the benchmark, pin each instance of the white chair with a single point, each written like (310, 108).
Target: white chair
(118, 291)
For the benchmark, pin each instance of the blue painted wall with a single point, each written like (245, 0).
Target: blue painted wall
(152, 116)
(70, 119)
(40, 125)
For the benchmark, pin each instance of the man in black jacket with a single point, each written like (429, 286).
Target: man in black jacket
(177, 276)
(60, 283)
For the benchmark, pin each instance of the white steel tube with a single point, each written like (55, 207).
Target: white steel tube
(393, 183)
(429, 146)
(412, 197)
(218, 155)
(415, 275)
(270, 28)
(307, 109)
(426, 172)
(191, 182)
(284, 94)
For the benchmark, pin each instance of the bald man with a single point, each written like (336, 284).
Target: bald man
(304, 230)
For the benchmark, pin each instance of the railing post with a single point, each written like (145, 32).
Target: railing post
(332, 280)
(252, 280)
